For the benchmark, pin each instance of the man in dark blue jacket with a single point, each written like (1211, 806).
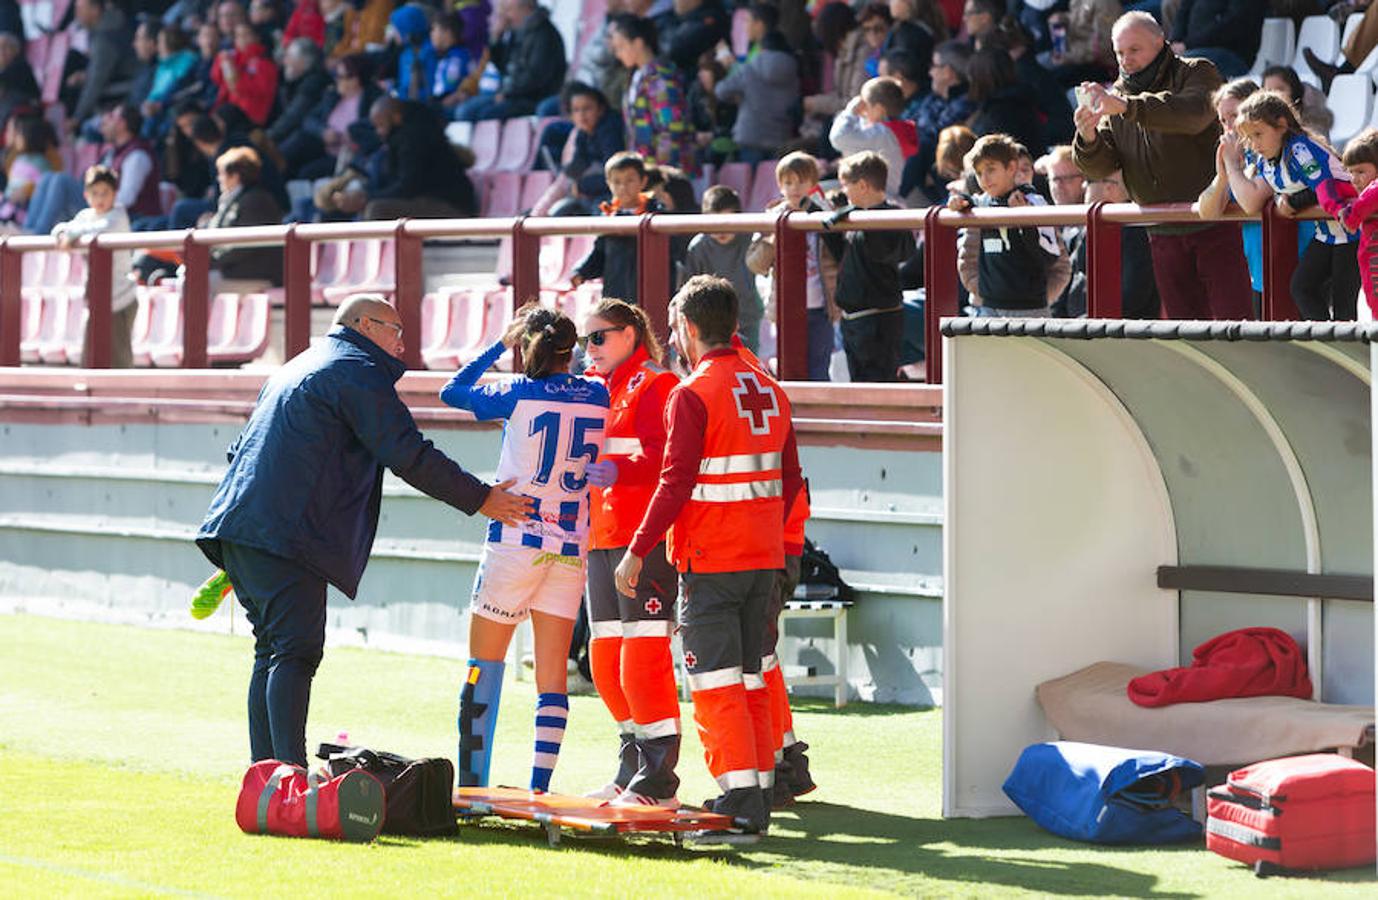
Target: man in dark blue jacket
(298, 506)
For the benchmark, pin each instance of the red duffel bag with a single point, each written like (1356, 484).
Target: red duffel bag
(278, 798)
(1299, 812)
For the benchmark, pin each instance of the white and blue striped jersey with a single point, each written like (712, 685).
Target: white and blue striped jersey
(554, 429)
(1303, 165)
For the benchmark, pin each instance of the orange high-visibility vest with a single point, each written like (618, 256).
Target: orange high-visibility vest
(616, 511)
(734, 519)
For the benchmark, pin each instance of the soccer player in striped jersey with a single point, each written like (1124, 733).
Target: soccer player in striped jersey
(554, 430)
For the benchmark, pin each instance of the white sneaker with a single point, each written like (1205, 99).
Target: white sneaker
(609, 791)
(632, 798)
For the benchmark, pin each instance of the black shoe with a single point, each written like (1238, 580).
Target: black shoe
(796, 769)
(746, 807)
(1324, 70)
(781, 796)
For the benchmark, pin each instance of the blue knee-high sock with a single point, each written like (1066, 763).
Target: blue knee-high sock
(552, 710)
(478, 714)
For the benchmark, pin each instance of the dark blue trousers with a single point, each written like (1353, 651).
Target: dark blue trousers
(285, 604)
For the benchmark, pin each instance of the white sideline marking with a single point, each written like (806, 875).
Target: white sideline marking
(102, 877)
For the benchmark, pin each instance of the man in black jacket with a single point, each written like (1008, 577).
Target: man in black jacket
(304, 82)
(108, 66)
(691, 29)
(1226, 32)
(420, 175)
(529, 52)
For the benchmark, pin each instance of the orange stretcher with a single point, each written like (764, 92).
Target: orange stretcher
(580, 814)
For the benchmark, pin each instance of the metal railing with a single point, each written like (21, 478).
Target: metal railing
(652, 233)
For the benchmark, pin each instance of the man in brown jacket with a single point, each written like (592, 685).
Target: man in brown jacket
(1157, 124)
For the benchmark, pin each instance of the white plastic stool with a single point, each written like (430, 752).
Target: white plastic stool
(812, 601)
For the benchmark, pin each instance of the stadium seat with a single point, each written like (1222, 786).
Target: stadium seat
(501, 194)
(164, 324)
(763, 187)
(578, 247)
(328, 263)
(1321, 35)
(552, 260)
(518, 145)
(461, 134)
(462, 322)
(1351, 99)
(736, 175)
(369, 268)
(1277, 46)
(533, 186)
(248, 338)
(58, 45)
(582, 299)
(30, 323)
(741, 43)
(63, 345)
(485, 144)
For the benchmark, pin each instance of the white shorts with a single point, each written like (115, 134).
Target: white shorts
(512, 581)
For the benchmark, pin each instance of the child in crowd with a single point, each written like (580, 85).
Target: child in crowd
(1008, 271)
(416, 60)
(868, 279)
(30, 152)
(1290, 164)
(613, 257)
(725, 254)
(452, 62)
(796, 174)
(871, 122)
(1361, 160)
(102, 214)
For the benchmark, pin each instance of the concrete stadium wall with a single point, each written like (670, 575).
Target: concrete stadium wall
(96, 521)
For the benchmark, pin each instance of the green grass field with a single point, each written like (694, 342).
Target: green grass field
(121, 751)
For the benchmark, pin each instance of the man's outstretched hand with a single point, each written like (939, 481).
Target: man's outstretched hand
(504, 506)
(628, 573)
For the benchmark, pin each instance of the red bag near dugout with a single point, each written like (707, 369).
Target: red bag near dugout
(277, 798)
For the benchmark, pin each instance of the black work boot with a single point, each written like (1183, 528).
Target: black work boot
(796, 769)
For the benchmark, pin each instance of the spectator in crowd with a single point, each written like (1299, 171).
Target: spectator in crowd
(1067, 186)
(1087, 55)
(797, 177)
(871, 122)
(913, 30)
(1361, 159)
(214, 135)
(529, 52)
(306, 21)
(365, 27)
(1309, 103)
(475, 14)
(452, 62)
(725, 254)
(103, 213)
(598, 134)
(183, 164)
(1157, 125)
(420, 175)
(229, 15)
(613, 258)
(1003, 103)
(654, 107)
(1050, 97)
(312, 150)
(416, 61)
(692, 28)
(333, 25)
(59, 195)
(868, 285)
(11, 20)
(982, 18)
(946, 104)
(765, 88)
(30, 156)
(18, 87)
(1065, 181)
(598, 66)
(246, 76)
(145, 48)
(1226, 32)
(1008, 272)
(841, 39)
(204, 89)
(1138, 288)
(243, 202)
(1292, 168)
(904, 69)
(176, 66)
(954, 143)
(1355, 50)
(875, 22)
(104, 75)
(304, 83)
(711, 119)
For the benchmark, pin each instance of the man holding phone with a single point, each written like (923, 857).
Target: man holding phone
(1157, 125)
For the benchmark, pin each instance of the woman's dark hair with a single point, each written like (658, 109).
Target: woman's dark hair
(548, 338)
(1295, 90)
(356, 65)
(36, 133)
(623, 314)
(151, 24)
(991, 69)
(835, 21)
(580, 89)
(635, 28)
(680, 189)
(874, 11)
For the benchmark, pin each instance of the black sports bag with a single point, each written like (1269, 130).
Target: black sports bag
(418, 791)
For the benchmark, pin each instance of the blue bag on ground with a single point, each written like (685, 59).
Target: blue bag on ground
(1106, 795)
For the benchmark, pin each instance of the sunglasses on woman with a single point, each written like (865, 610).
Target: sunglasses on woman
(599, 337)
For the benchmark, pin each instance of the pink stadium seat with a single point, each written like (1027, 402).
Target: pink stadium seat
(52, 319)
(533, 186)
(736, 175)
(485, 144)
(36, 52)
(30, 322)
(463, 322)
(328, 266)
(64, 345)
(763, 187)
(578, 302)
(503, 268)
(73, 270)
(552, 260)
(741, 43)
(518, 146)
(578, 247)
(167, 195)
(249, 336)
(54, 59)
(164, 324)
(34, 269)
(502, 194)
(370, 268)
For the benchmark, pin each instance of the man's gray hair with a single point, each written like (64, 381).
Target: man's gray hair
(1137, 19)
(308, 50)
(357, 306)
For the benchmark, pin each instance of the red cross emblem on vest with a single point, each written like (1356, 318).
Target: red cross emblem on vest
(653, 606)
(755, 403)
(690, 659)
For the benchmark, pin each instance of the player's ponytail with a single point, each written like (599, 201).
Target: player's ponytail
(548, 338)
(621, 314)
